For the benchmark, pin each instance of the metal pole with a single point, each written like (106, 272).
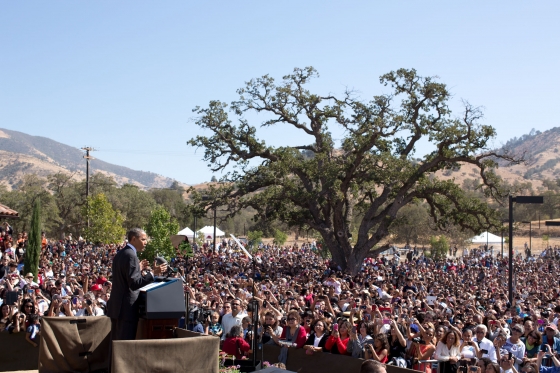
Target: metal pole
(510, 279)
(87, 175)
(194, 232)
(530, 244)
(214, 227)
(502, 241)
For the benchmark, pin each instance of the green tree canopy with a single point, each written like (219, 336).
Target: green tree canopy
(22, 199)
(160, 228)
(372, 174)
(280, 237)
(33, 252)
(439, 247)
(105, 223)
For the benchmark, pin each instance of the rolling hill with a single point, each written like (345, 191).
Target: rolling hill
(22, 154)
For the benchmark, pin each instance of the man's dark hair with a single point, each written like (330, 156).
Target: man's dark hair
(134, 232)
(372, 366)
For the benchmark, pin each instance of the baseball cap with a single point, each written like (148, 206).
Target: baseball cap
(96, 287)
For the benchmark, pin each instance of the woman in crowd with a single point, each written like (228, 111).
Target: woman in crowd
(270, 320)
(515, 346)
(532, 346)
(339, 339)
(318, 337)
(379, 350)
(469, 349)
(424, 350)
(360, 339)
(397, 343)
(235, 344)
(293, 334)
(27, 308)
(448, 353)
(5, 318)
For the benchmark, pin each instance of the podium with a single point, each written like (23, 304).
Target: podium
(161, 305)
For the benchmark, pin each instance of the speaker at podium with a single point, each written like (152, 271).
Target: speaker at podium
(161, 306)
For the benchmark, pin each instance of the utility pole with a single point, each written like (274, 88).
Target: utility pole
(88, 158)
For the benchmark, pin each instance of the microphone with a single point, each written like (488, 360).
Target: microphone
(159, 261)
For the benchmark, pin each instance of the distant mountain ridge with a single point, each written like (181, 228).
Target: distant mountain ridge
(21, 153)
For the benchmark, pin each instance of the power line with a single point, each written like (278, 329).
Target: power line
(151, 152)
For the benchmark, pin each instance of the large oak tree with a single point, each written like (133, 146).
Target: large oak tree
(368, 178)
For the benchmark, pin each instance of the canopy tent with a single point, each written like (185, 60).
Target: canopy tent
(186, 232)
(176, 239)
(487, 237)
(208, 232)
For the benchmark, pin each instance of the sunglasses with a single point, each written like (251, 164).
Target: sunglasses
(517, 330)
(291, 319)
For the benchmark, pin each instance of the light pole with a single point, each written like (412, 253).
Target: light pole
(530, 231)
(207, 198)
(518, 199)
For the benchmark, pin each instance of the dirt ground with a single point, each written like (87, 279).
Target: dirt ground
(518, 243)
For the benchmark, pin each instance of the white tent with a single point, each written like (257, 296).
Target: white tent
(186, 232)
(208, 232)
(487, 237)
(176, 239)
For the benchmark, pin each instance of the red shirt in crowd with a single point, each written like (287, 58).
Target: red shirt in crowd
(301, 337)
(340, 345)
(232, 346)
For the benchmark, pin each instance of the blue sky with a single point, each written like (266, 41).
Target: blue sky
(124, 76)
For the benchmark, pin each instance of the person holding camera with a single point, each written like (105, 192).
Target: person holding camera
(515, 346)
(270, 328)
(544, 352)
(339, 338)
(423, 349)
(360, 338)
(378, 350)
(486, 347)
(59, 307)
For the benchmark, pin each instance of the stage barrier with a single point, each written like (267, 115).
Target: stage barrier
(16, 353)
(196, 355)
(74, 344)
(62, 343)
(300, 362)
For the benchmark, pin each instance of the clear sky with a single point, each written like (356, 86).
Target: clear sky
(124, 76)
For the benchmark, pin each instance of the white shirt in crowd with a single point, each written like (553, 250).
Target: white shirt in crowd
(486, 344)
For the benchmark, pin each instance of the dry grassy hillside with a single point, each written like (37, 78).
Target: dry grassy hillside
(22, 154)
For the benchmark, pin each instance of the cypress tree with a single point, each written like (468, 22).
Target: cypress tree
(33, 252)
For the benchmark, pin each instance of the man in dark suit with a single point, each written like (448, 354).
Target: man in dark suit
(122, 306)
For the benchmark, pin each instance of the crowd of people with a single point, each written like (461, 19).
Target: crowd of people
(411, 311)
